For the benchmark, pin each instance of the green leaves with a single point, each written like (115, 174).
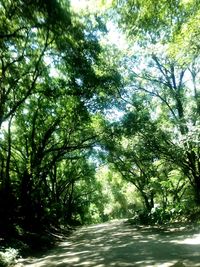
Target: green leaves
(54, 79)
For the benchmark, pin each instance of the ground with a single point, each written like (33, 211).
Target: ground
(118, 243)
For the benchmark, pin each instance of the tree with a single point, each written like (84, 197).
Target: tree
(53, 78)
(161, 76)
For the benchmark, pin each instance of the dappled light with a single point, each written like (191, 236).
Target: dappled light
(99, 121)
(120, 244)
(195, 240)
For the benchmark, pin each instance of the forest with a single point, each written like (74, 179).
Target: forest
(99, 114)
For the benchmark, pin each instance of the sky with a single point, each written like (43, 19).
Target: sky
(114, 37)
(80, 4)
(92, 5)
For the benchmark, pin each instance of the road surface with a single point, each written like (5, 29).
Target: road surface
(120, 244)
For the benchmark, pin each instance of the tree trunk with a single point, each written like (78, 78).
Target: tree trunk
(26, 201)
(148, 201)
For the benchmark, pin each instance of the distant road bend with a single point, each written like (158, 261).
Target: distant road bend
(118, 243)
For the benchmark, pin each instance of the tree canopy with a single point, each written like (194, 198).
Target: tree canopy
(89, 130)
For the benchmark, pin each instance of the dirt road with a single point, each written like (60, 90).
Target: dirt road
(120, 244)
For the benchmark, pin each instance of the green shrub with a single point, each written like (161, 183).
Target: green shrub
(8, 257)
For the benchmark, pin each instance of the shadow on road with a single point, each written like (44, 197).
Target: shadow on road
(120, 244)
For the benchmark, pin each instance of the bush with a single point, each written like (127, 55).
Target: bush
(156, 216)
(8, 257)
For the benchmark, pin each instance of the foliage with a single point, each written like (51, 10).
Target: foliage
(155, 146)
(62, 84)
(53, 77)
(8, 257)
(117, 196)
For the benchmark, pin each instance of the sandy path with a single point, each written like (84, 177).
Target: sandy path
(119, 244)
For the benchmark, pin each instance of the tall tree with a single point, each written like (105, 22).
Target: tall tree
(169, 82)
(52, 79)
